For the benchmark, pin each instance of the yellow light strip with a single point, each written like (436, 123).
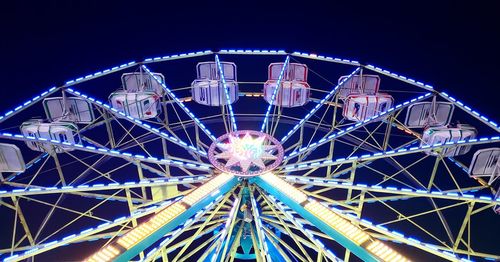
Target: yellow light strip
(384, 252)
(289, 190)
(145, 229)
(340, 224)
(328, 216)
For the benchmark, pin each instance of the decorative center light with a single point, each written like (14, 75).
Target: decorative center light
(245, 153)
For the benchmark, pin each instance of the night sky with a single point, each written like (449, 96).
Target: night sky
(450, 45)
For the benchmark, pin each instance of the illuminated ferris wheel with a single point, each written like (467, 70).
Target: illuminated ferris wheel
(266, 156)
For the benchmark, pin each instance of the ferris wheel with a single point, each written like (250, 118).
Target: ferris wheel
(267, 155)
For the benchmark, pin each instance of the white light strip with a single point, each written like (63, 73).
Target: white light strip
(316, 108)
(136, 121)
(356, 126)
(226, 93)
(275, 91)
(391, 189)
(181, 104)
(36, 190)
(386, 154)
(110, 152)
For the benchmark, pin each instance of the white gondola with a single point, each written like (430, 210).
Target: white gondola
(359, 84)
(60, 131)
(141, 105)
(208, 88)
(485, 163)
(293, 91)
(441, 135)
(361, 107)
(78, 110)
(11, 159)
(425, 114)
(141, 81)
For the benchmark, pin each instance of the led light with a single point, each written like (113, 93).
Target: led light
(384, 252)
(275, 91)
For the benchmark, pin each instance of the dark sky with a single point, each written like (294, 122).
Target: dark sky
(453, 46)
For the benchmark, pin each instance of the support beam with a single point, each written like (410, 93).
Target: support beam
(341, 230)
(358, 125)
(275, 91)
(135, 121)
(147, 233)
(226, 94)
(103, 151)
(317, 107)
(181, 105)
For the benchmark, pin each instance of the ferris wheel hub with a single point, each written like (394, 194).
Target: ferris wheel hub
(246, 153)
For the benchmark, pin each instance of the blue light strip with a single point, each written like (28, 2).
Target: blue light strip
(27, 104)
(326, 58)
(386, 154)
(99, 74)
(275, 91)
(316, 108)
(176, 57)
(37, 190)
(110, 152)
(251, 52)
(452, 195)
(356, 126)
(400, 77)
(136, 121)
(153, 252)
(226, 93)
(87, 232)
(472, 112)
(181, 104)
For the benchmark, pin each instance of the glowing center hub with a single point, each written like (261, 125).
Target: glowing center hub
(245, 153)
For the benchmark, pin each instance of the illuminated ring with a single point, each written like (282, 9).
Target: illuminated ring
(278, 152)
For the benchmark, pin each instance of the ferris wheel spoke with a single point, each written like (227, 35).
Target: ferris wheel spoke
(316, 108)
(273, 97)
(134, 242)
(29, 190)
(279, 212)
(87, 234)
(109, 152)
(392, 153)
(351, 128)
(137, 122)
(182, 105)
(232, 119)
(348, 235)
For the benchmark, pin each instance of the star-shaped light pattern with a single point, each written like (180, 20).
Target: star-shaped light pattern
(245, 152)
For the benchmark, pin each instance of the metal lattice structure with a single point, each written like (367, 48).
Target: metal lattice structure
(375, 166)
